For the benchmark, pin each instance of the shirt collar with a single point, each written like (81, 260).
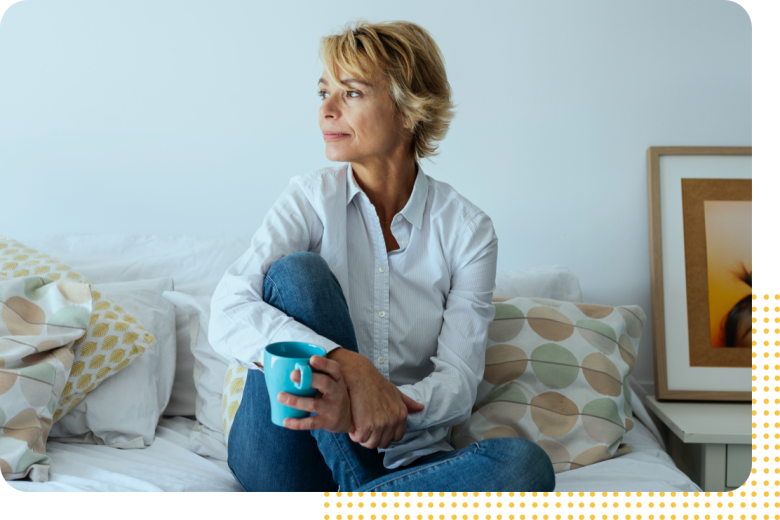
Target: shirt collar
(415, 206)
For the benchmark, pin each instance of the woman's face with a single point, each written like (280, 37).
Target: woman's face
(364, 117)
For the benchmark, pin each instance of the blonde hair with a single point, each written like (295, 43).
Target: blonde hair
(413, 66)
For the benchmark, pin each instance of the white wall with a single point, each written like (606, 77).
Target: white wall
(183, 117)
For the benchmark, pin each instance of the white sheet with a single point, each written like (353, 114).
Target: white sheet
(648, 468)
(169, 465)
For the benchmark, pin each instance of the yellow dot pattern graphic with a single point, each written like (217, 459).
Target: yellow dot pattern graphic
(757, 499)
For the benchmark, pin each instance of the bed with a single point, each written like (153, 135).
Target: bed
(180, 458)
(170, 465)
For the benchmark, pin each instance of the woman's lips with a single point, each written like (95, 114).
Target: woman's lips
(330, 137)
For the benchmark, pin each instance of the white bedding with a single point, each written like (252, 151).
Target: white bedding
(169, 465)
(196, 264)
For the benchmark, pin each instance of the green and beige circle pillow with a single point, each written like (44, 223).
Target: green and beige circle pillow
(557, 373)
(39, 321)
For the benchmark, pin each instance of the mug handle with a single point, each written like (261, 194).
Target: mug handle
(305, 383)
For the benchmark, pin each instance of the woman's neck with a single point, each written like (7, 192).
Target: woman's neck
(388, 186)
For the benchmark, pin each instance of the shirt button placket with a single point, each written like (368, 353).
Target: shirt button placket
(386, 326)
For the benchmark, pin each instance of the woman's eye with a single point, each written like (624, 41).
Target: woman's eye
(321, 94)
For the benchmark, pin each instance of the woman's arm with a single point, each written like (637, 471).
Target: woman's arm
(241, 322)
(449, 392)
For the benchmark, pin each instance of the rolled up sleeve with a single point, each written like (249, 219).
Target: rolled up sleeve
(241, 323)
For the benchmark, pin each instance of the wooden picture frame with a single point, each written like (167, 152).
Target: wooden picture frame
(681, 317)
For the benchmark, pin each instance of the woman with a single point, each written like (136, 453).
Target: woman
(388, 269)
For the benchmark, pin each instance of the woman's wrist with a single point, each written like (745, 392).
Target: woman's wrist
(341, 354)
(351, 362)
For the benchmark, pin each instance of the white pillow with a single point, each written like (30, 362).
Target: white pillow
(207, 437)
(196, 264)
(184, 393)
(556, 282)
(123, 411)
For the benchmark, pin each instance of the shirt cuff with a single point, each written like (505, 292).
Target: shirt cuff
(413, 420)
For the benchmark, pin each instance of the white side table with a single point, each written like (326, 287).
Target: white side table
(711, 442)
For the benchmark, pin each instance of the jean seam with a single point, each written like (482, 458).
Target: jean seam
(345, 457)
(278, 292)
(435, 465)
(236, 477)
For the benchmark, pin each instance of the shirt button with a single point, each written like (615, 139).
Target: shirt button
(381, 269)
(403, 241)
(398, 218)
(381, 361)
(381, 314)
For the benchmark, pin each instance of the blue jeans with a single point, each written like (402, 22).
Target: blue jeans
(266, 457)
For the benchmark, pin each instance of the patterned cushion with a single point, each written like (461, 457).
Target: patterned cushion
(40, 318)
(114, 338)
(232, 393)
(557, 373)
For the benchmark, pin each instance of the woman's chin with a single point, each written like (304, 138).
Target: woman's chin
(335, 156)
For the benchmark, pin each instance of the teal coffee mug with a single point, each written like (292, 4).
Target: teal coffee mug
(279, 361)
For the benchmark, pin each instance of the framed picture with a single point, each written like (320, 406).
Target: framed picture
(699, 218)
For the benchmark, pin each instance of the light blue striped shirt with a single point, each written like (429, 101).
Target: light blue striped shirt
(421, 312)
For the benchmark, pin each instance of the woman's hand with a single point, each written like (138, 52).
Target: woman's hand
(379, 409)
(331, 403)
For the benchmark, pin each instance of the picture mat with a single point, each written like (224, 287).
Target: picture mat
(673, 168)
(697, 269)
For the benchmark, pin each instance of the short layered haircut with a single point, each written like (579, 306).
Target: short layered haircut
(413, 66)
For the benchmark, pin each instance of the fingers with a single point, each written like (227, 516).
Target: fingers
(411, 405)
(373, 440)
(307, 423)
(322, 382)
(360, 436)
(329, 366)
(308, 404)
(386, 438)
(399, 432)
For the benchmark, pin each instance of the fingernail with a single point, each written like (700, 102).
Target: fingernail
(281, 397)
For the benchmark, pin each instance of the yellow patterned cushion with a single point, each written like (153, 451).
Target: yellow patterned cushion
(232, 392)
(114, 338)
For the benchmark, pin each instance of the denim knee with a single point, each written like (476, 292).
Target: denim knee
(303, 277)
(523, 462)
(302, 263)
